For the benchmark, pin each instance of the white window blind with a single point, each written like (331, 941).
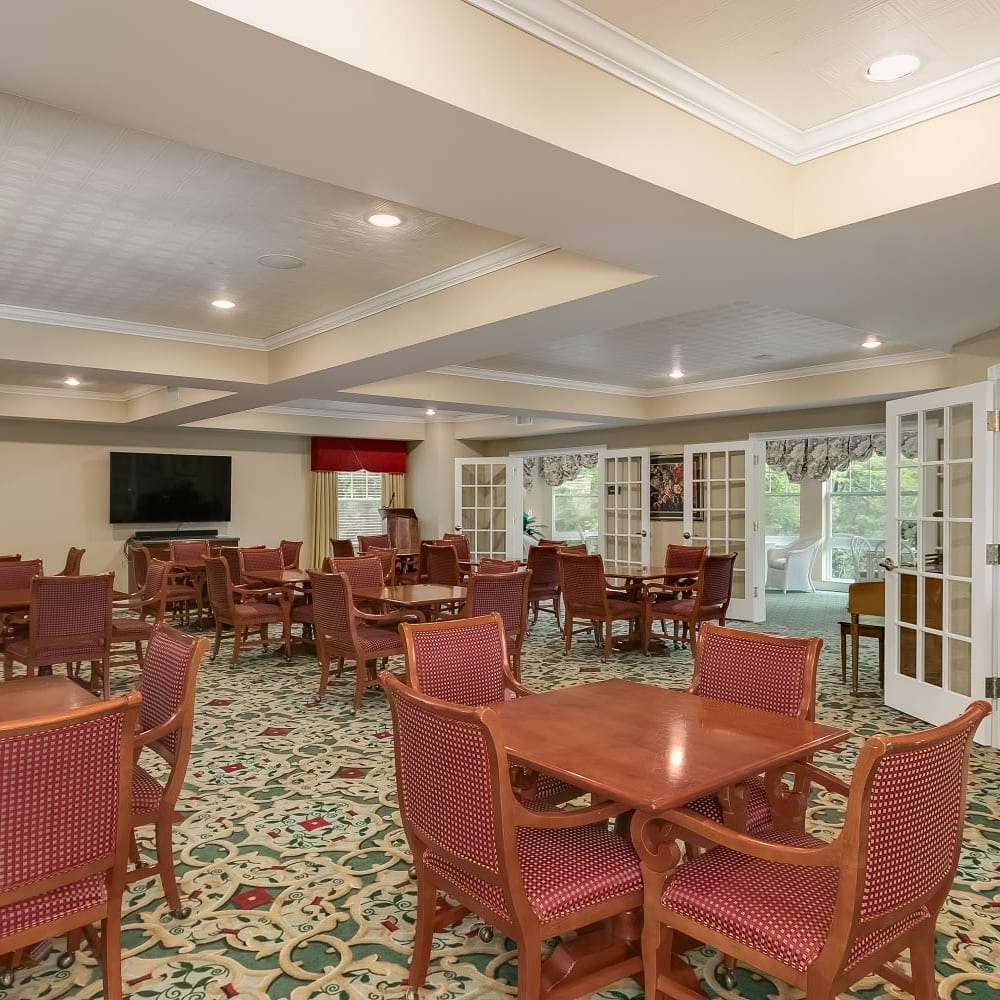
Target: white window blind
(359, 496)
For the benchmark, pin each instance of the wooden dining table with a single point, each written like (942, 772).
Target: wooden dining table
(29, 697)
(279, 577)
(650, 749)
(421, 597)
(633, 577)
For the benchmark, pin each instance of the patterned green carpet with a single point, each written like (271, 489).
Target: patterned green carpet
(296, 870)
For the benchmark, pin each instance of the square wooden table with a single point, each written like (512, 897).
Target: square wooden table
(29, 697)
(418, 596)
(279, 577)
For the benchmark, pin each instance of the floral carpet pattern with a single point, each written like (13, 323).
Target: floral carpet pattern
(292, 860)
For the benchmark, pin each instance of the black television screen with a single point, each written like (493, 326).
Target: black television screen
(152, 488)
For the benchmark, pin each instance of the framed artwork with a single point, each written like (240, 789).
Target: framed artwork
(666, 489)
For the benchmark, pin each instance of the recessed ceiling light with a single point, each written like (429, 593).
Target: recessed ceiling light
(676, 373)
(430, 411)
(890, 68)
(224, 304)
(384, 220)
(280, 261)
(72, 380)
(871, 342)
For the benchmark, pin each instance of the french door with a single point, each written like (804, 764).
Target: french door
(720, 501)
(941, 573)
(488, 506)
(624, 491)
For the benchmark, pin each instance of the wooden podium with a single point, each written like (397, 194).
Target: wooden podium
(402, 527)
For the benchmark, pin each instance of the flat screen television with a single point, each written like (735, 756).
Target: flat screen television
(153, 488)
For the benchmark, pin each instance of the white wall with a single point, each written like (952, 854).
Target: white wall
(430, 486)
(54, 488)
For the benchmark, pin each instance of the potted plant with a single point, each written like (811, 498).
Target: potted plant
(531, 526)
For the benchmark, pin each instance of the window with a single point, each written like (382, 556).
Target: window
(855, 508)
(781, 504)
(359, 497)
(575, 507)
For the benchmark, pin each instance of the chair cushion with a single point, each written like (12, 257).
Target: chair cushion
(67, 652)
(146, 792)
(130, 629)
(40, 910)
(758, 808)
(623, 609)
(257, 613)
(563, 870)
(376, 641)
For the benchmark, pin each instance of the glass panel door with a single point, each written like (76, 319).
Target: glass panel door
(624, 527)
(488, 505)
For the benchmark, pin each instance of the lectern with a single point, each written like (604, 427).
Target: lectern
(402, 527)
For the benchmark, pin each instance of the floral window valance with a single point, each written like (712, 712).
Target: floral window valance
(557, 469)
(817, 457)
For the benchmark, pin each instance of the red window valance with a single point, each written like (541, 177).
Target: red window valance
(354, 454)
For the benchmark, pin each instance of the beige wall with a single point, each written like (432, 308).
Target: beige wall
(430, 487)
(55, 488)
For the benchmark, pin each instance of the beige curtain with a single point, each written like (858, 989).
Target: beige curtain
(324, 516)
(393, 489)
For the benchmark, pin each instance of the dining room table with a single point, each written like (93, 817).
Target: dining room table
(650, 749)
(30, 697)
(424, 598)
(633, 577)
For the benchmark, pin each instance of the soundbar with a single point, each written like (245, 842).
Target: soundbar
(151, 536)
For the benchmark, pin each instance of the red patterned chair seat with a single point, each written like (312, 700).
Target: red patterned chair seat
(563, 870)
(258, 612)
(66, 652)
(127, 629)
(623, 609)
(39, 910)
(379, 641)
(146, 792)
(759, 814)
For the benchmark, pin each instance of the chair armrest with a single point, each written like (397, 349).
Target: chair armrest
(511, 683)
(816, 775)
(149, 736)
(566, 819)
(391, 618)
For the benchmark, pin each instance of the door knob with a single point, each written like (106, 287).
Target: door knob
(642, 534)
(888, 564)
(687, 534)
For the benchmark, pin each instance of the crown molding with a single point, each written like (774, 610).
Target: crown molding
(523, 378)
(467, 270)
(580, 33)
(312, 411)
(53, 393)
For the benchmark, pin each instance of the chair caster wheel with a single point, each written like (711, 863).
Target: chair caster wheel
(412, 994)
(727, 977)
(181, 913)
(412, 871)
(486, 933)
(66, 959)
(6, 979)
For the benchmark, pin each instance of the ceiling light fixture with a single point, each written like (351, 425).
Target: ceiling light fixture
(676, 373)
(280, 261)
(224, 304)
(430, 411)
(384, 220)
(871, 342)
(72, 380)
(890, 68)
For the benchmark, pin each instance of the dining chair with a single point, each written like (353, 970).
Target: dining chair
(65, 831)
(543, 561)
(342, 547)
(188, 584)
(231, 553)
(344, 632)
(441, 561)
(460, 543)
(585, 597)
(533, 874)
(497, 565)
(167, 684)
(789, 567)
(820, 915)
(679, 559)
(387, 558)
(16, 574)
(243, 610)
(148, 607)
(139, 556)
(290, 553)
(706, 599)
(507, 595)
(74, 557)
(465, 661)
(69, 621)
(378, 541)
(11, 558)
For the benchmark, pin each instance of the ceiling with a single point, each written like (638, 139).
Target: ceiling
(570, 233)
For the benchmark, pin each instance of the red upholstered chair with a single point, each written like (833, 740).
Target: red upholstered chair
(166, 720)
(441, 562)
(497, 565)
(363, 571)
(341, 547)
(344, 632)
(16, 574)
(11, 558)
(65, 829)
(140, 556)
(543, 561)
(465, 661)
(290, 553)
(185, 550)
(532, 874)
(822, 915)
(460, 543)
(374, 541)
(149, 603)
(585, 596)
(232, 556)
(69, 621)
(243, 610)
(187, 586)
(680, 559)
(707, 599)
(387, 559)
(73, 560)
(506, 594)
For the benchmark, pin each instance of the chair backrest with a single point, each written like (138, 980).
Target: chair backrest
(579, 549)
(860, 551)
(504, 593)
(219, 585)
(73, 560)
(188, 549)
(18, 574)
(140, 556)
(453, 787)
(715, 584)
(442, 564)
(155, 589)
(770, 672)
(581, 578)
(690, 557)
(543, 561)
(460, 542)
(290, 553)
(232, 556)
(167, 685)
(378, 541)
(333, 611)
(462, 660)
(252, 560)
(77, 606)
(866, 599)
(363, 571)
(11, 558)
(387, 557)
(342, 547)
(903, 825)
(497, 565)
(68, 794)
